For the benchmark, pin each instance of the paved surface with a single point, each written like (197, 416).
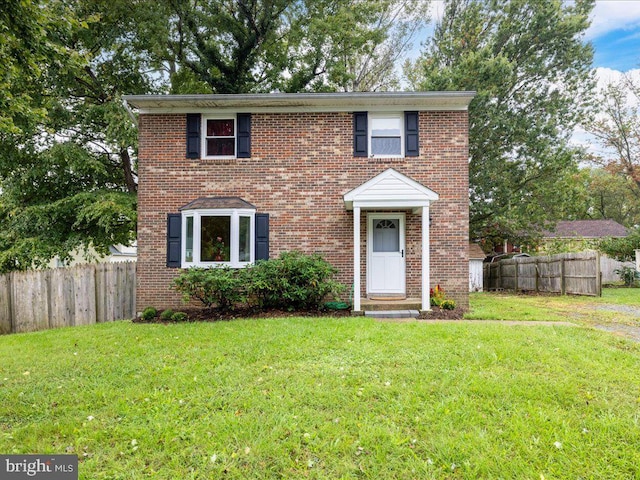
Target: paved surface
(631, 332)
(391, 313)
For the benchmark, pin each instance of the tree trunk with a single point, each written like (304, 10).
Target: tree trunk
(132, 186)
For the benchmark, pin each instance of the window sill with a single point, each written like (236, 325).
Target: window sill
(216, 265)
(219, 160)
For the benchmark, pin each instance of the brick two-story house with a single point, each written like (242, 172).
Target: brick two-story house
(375, 182)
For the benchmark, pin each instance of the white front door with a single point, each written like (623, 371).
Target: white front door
(385, 254)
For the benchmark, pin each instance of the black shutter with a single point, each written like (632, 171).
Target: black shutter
(193, 135)
(411, 146)
(262, 236)
(244, 135)
(174, 236)
(360, 133)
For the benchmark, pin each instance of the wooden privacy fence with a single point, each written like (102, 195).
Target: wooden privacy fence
(573, 273)
(42, 299)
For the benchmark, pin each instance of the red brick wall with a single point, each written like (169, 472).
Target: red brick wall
(301, 166)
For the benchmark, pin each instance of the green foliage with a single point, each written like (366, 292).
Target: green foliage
(437, 296)
(440, 300)
(628, 275)
(554, 246)
(285, 45)
(622, 249)
(293, 281)
(531, 70)
(448, 305)
(618, 130)
(610, 194)
(149, 313)
(223, 287)
(179, 317)
(166, 315)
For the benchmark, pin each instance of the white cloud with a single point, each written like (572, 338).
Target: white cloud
(436, 10)
(613, 15)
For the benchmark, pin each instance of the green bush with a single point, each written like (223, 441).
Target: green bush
(439, 299)
(628, 275)
(437, 296)
(293, 281)
(448, 305)
(179, 317)
(149, 313)
(166, 315)
(221, 286)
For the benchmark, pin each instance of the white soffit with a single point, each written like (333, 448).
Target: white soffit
(390, 189)
(301, 102)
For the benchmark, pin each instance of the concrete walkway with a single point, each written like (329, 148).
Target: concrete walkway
(627, 331)
(479, 322)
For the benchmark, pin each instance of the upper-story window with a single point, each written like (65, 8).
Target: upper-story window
(219, 139)
(386, 135)
(386, 138)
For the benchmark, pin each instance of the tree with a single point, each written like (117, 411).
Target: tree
(617, 127)
(68, 182)
(610, 194)
(531, 70)
(218, 46)
(622, 249)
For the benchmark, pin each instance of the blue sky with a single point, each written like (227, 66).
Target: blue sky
(615, 34)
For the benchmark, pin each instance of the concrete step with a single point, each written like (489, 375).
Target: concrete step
(392, 313)
(372, 305)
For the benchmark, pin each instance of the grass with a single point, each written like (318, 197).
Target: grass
(324, 398)
(507, 306)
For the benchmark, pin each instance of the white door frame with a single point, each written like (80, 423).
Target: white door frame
(401, 216)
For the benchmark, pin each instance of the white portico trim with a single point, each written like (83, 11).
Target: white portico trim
(390, 191)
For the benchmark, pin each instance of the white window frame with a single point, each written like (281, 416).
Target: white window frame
(394, 115)
(204, 137)
(234, 251)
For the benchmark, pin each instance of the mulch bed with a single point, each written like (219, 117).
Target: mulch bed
(440, 314)
(216, 315)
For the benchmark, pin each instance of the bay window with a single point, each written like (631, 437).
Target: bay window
(215, 237)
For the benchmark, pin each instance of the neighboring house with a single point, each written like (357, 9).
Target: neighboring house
(476, 262)
(117, 253)
(578, 235)
(375, 182)
(581, 230)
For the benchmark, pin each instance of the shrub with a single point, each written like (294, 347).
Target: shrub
(622, 249)
(149, 313)
(222, 286)
(293, 281)
(179, 317)
(448, 305)
(628, 275)
(437, 296)
(166, 315)
(439, 299)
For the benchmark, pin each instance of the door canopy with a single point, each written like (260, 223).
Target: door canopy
(390, 190)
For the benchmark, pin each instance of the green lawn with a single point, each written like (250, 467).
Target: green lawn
(325, 398)
(507, 306)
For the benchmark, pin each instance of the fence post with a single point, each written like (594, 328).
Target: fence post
(537, 274)
(563, 285)
(598, 276)
(499, 282)
(516, 280)
(5, 304)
